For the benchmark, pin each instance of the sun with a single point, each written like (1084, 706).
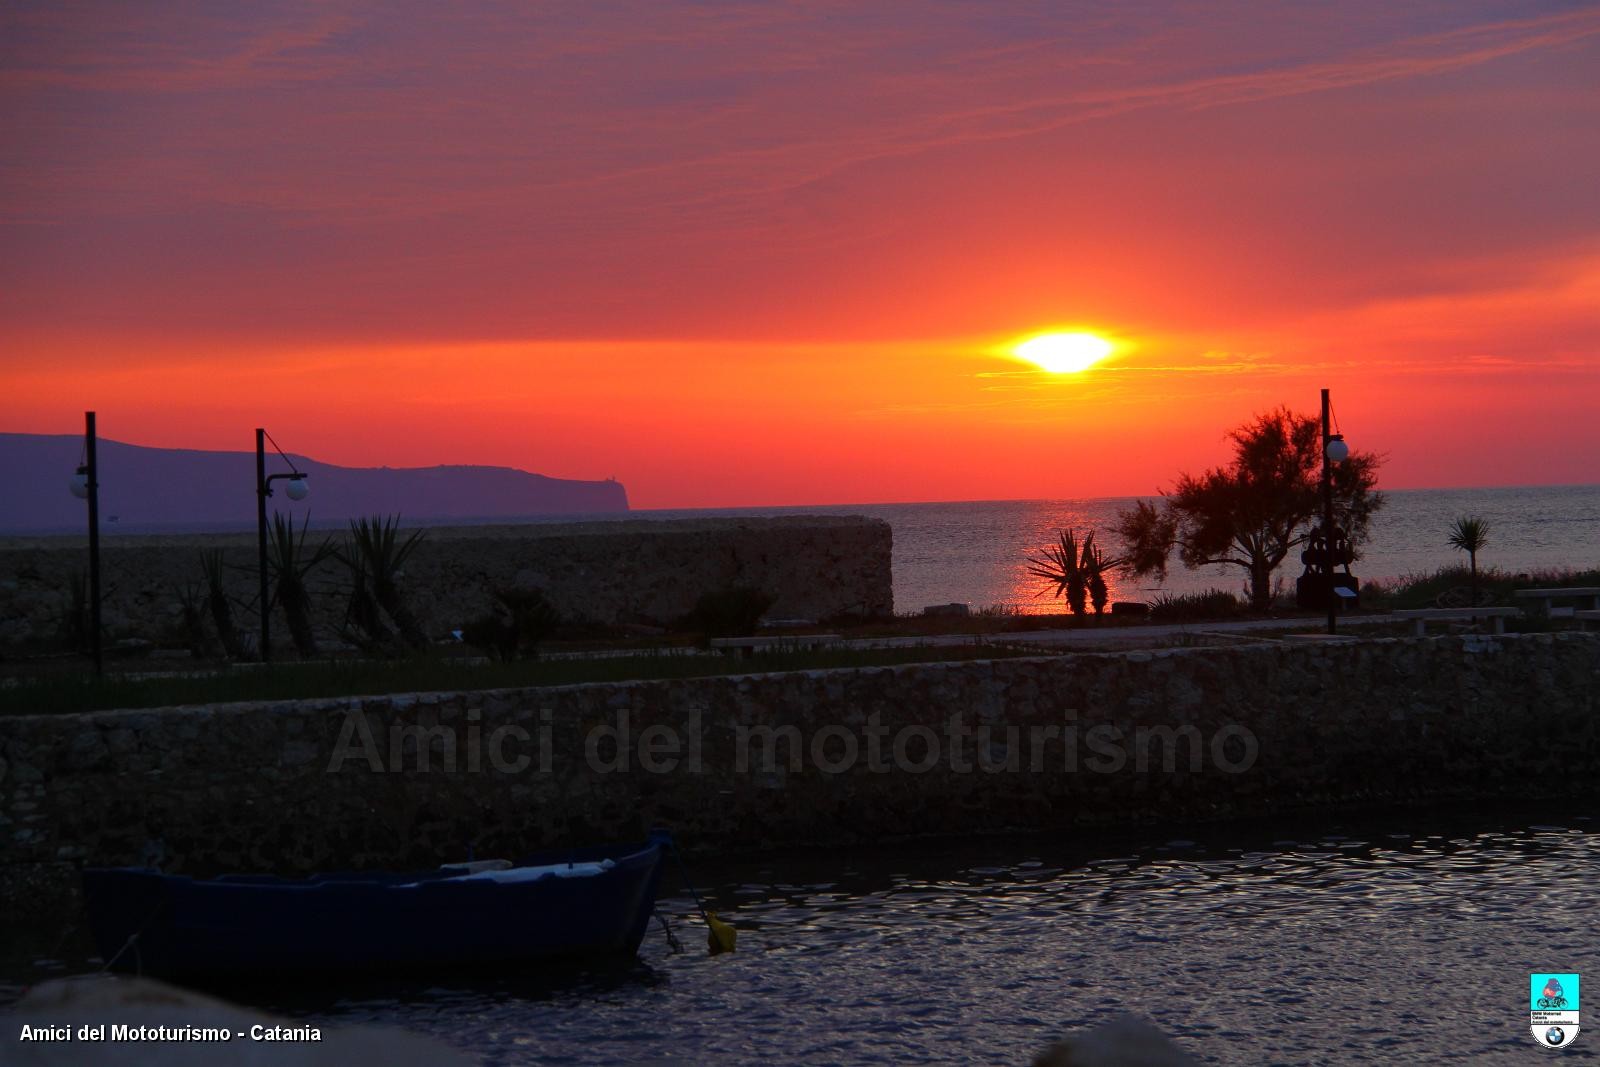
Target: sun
(1064, 353)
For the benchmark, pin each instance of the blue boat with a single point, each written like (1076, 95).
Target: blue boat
(575, 902)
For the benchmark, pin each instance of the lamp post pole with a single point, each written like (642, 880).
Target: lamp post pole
(1327, 514)
(297, 491)
(262, 490)
(94, 536)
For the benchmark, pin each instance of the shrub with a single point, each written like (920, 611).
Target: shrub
(728, 612)
(1211, 605)
(522, 618)
(1451, 586)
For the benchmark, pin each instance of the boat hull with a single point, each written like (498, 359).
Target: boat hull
(245, 926)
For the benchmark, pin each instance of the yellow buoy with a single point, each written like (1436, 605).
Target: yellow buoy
(721, 937)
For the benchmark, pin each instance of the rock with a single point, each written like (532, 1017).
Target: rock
(86, 750)
(946, 611)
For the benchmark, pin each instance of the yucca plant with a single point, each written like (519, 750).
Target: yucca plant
(363, 612)
(191, 599)
(383, 552)
(1095, 565)
(218, 604)
(1061, 569)
(289, 562)
(1470, 534)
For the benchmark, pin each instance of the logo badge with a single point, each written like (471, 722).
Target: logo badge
(1553, 1011)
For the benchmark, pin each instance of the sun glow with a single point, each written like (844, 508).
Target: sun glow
(1064, 353)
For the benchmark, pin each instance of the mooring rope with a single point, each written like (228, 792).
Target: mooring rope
(672, 939)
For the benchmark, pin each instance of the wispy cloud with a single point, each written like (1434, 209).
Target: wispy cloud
(881, 133)
(273, 57)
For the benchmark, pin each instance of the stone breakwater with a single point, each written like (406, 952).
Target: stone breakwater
(625, 570)
(796, 758)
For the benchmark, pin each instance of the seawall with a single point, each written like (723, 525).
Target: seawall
(419, 779)
(614, 571)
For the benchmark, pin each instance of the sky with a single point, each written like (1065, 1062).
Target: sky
(779, 253)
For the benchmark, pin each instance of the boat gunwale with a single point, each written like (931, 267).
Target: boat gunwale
(625, 858)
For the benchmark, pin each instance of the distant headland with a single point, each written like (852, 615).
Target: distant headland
(166, 488)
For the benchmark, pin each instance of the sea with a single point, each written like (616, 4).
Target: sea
(976, 552)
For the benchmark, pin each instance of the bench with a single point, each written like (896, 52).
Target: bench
(743, 646)
(1541, 599)
(1420, 617)
(1586, 617)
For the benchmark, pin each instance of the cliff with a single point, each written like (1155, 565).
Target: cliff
(164, 488)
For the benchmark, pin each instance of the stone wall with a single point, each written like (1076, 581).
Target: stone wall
(626, 570)
(295, 786)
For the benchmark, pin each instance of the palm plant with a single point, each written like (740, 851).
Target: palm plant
(289, 562)
(217, 603)
(383, 552)
(1095, 565)
(1470, 534)
(1061, 567)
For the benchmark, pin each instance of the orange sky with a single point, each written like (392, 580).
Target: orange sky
(759, 255)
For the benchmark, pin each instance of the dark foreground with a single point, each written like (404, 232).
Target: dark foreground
(1400, 937)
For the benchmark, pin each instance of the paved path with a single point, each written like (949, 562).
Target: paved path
(1119, 636)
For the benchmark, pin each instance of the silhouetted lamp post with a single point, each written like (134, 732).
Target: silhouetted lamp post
(1334, 450)
(85, 485)
(295, 490)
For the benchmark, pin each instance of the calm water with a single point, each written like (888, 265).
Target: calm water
(976, 552)
(1406, 937)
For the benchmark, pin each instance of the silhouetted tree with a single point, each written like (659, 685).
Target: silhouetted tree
(1253, 512)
